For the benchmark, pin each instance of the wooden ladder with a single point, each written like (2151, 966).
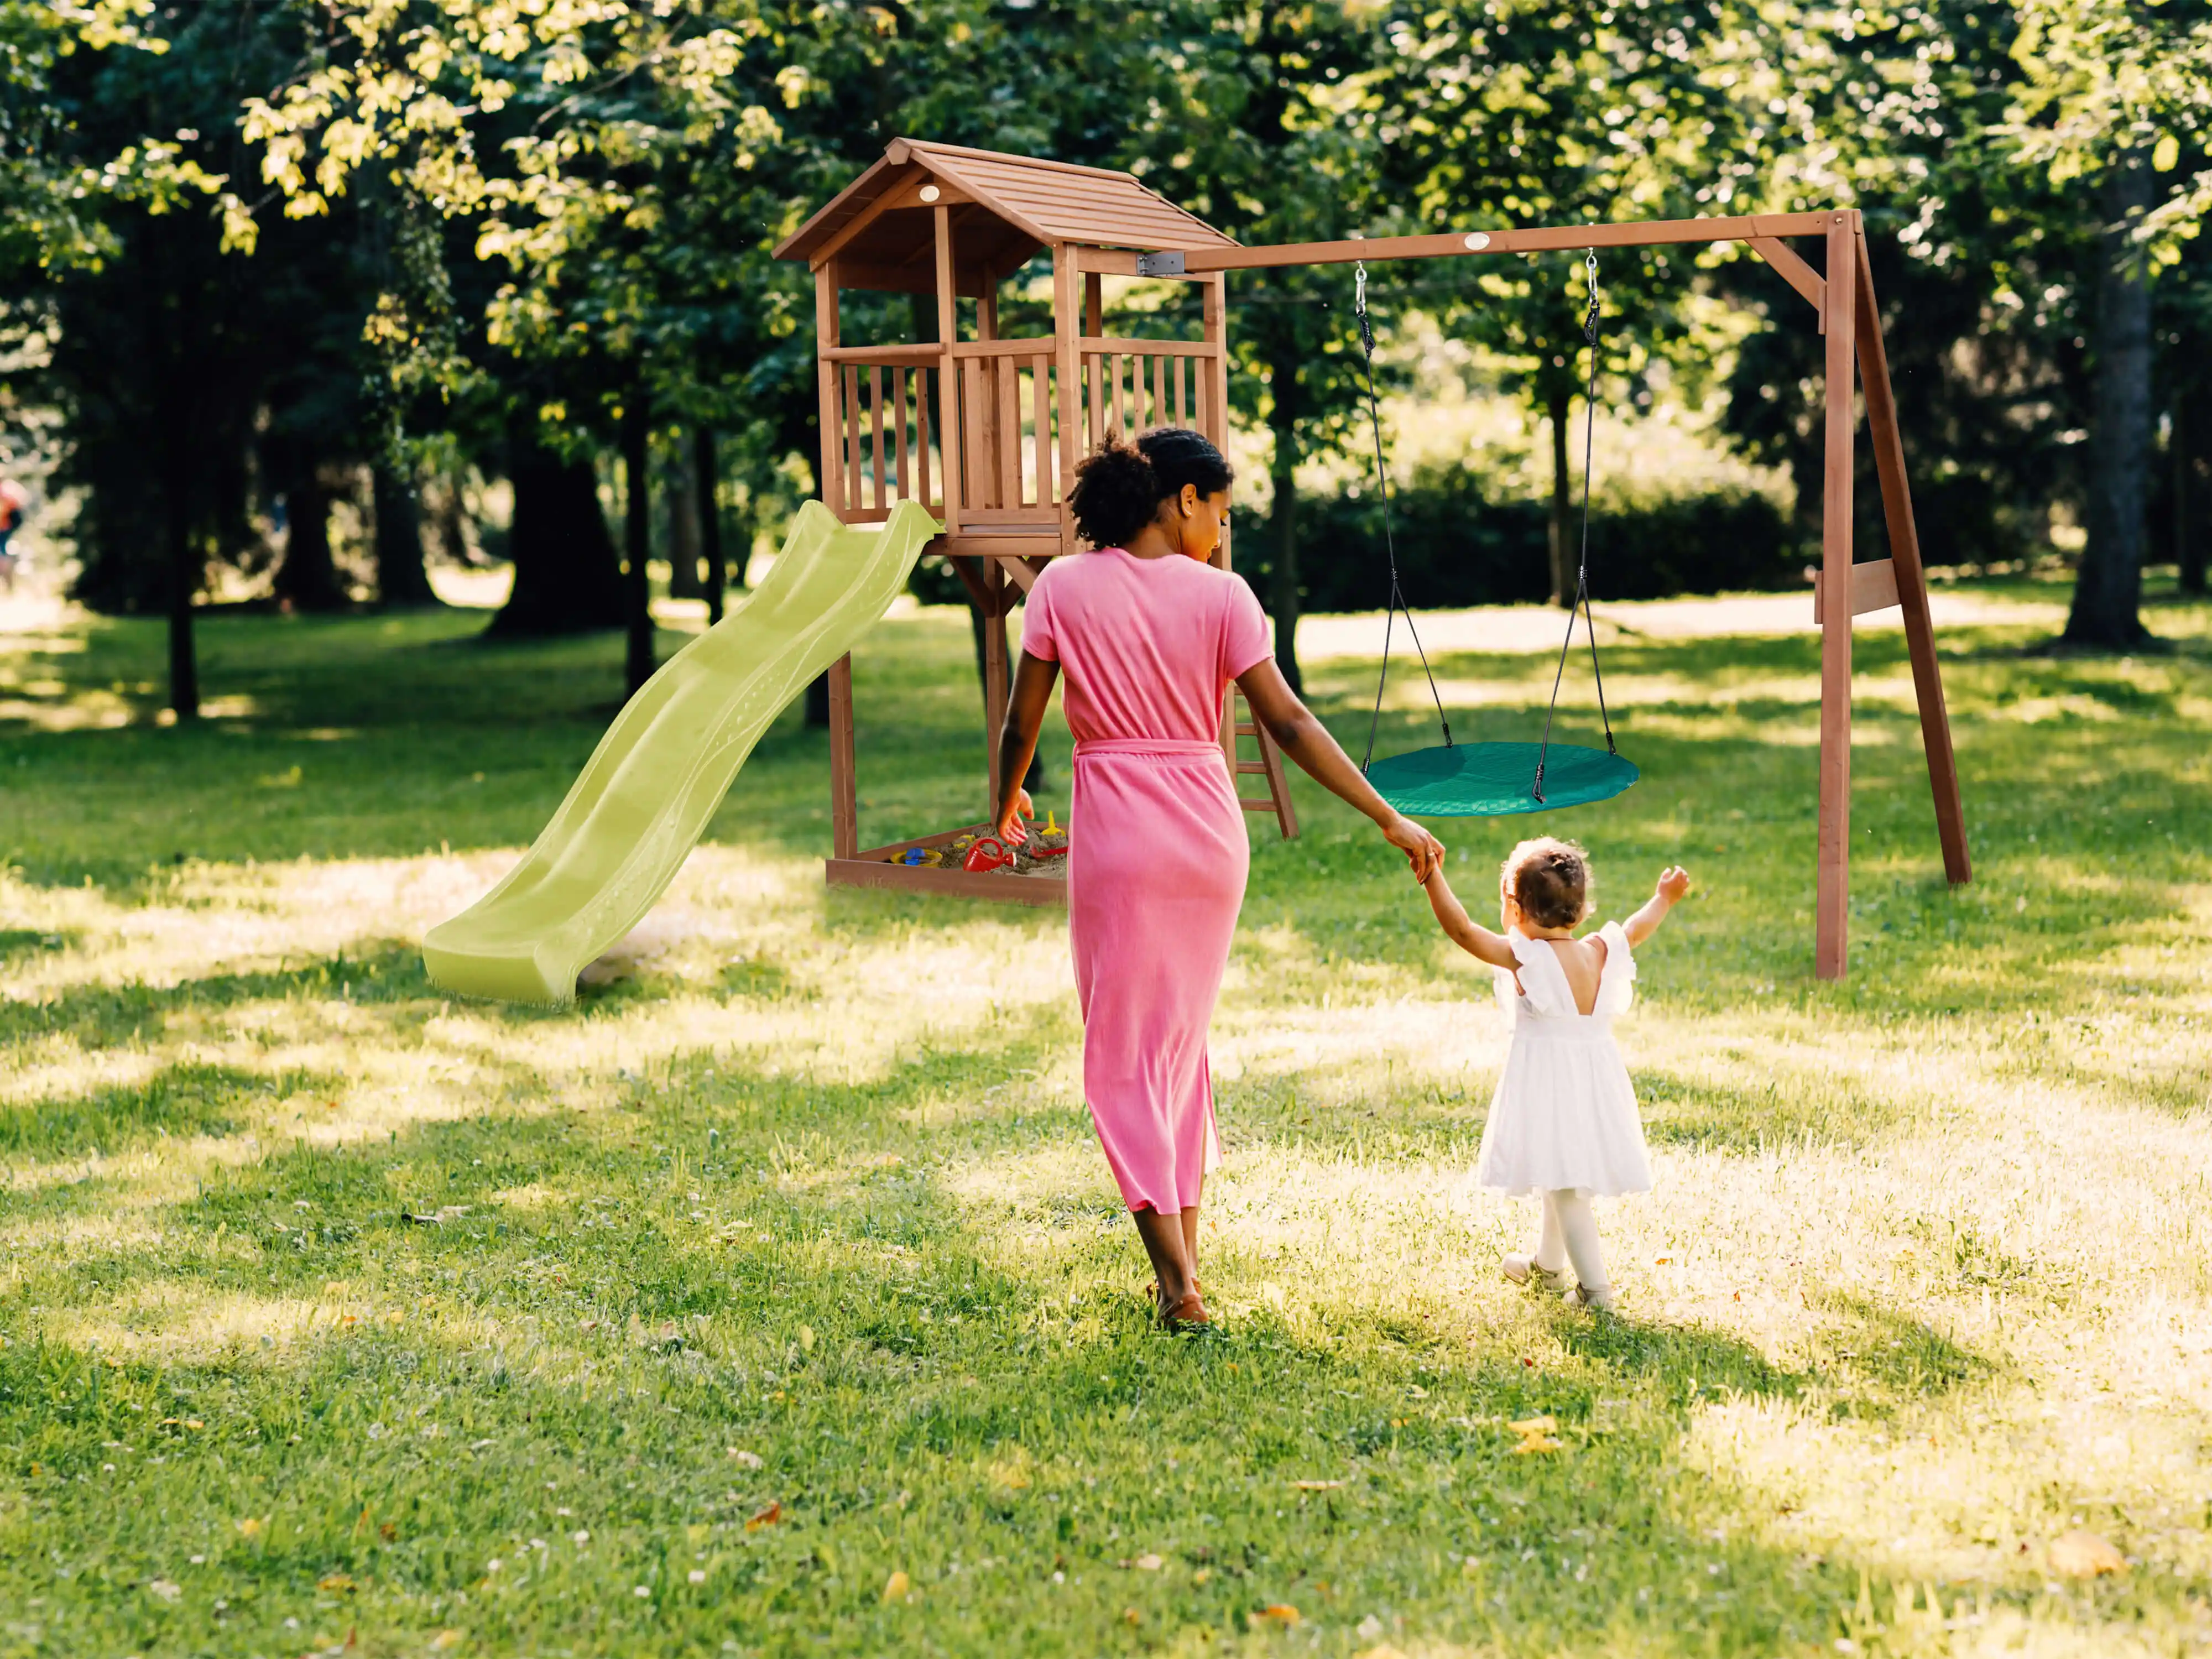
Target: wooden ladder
(1236, 725)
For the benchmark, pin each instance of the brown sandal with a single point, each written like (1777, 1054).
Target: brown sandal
(1188, 1314)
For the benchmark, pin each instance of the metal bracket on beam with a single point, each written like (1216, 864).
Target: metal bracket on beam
(1160, 265)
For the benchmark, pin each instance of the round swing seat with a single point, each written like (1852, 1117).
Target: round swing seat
(1491, 780)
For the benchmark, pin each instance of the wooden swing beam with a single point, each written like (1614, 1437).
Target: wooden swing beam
(1843, 302)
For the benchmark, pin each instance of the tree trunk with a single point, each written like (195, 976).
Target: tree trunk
(2189, 501)
(1032, 779)
(1283, 515)
(567, 578)
(2109, 590)
(308, 580)
(706, 476)
(637, 537)
(1557, 408)
(681, 492)
(401, 579)
(185, 573)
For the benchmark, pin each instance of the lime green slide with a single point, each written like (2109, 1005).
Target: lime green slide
(646, 794)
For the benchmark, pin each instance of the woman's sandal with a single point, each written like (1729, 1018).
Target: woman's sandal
(1188, 1314)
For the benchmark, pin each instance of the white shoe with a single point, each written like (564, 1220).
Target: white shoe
(1582, 1297)
(1518, 1268)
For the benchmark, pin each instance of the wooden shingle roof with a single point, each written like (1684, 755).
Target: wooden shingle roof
(1010, 207)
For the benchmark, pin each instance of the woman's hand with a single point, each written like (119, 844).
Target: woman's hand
(1423, 850)
(1011, 813)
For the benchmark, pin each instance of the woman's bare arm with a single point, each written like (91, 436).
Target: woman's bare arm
(1034, 678)
(1470, 935)
(1307, 741)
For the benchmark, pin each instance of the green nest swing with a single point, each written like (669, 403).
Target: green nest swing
(1491, 780)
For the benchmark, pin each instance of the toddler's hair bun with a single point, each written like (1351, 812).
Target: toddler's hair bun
(1550, 879)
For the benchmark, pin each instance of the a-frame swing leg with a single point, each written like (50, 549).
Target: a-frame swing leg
(1911, 578)
(1833, 899)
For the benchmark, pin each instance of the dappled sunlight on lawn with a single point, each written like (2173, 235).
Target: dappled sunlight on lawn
(800, 1206)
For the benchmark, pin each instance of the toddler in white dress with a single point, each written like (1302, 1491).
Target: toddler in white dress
(1563, 1124)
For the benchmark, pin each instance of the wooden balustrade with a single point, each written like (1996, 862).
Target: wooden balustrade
(886, 396)
(1131, 385)
(1009, 432)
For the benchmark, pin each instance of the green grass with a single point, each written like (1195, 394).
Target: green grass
(335, 1311)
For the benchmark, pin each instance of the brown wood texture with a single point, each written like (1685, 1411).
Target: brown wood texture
(825, 333)
(1794, 271)
(1215, 421)
(1911, 576)
(1832, 900)
(1874, 587)
(1040, 891)
(994, 675)
(1655, 232)
(948, 376)
(844, 797)
(1066, 298)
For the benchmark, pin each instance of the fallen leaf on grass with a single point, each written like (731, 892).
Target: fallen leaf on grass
(447, 1638)
(167, 1589)
(251, 1526)
(2080, 1554)
(767, 1517)
(746, 1460)
(335, 1583)
(1315, 1485)
(897, 1586)
(1276, 1612)
(1535, 1443)
(1147, 1562)
(1529, 1425)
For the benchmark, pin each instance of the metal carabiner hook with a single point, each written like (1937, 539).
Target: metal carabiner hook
(1590, 318)
(1359, 286)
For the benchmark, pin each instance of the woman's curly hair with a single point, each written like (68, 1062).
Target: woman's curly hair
(1119, 486)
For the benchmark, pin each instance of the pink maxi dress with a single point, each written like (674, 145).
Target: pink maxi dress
(1157, 854)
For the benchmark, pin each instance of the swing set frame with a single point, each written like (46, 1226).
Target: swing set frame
(1843, 301)
(941, 223)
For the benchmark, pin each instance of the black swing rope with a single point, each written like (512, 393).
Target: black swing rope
(1582, 573)
(1389, 548)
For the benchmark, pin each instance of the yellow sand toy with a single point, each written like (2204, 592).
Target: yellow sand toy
(644, 797)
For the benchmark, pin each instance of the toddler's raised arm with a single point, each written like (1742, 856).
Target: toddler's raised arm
(1673, 882)
(1471, 936)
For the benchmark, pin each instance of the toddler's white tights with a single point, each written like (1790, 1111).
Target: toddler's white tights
(1570, 1235)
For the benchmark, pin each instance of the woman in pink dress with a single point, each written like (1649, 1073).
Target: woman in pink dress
(1150, 635)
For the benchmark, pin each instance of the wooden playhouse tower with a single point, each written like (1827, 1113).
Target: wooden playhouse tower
(985, 431)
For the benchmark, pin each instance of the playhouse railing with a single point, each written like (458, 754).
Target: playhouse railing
(1009, 434)
(1131, 385)
(885, 400)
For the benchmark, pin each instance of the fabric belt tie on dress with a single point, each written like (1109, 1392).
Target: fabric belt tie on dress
(1176, 747)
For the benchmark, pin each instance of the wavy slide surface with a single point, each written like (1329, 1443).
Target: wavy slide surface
(645, 796)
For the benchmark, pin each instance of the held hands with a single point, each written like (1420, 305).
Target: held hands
(1423, 851)
(1673, 883)
(1013, 810)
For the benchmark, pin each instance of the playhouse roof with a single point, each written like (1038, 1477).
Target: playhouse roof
(1006, 208)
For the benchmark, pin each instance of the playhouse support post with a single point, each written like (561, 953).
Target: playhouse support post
(844, 800)
(1067, 326)
(1832, 912)
(948, 376)
(994, 673)
(1882, 433)
(826, 331)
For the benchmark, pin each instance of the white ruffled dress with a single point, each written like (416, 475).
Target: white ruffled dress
(1565, 1115)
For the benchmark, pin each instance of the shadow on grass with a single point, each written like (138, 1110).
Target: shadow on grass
(1700, 1115)
(186, 1099)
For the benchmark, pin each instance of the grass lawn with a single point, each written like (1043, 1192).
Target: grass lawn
(776, 1299)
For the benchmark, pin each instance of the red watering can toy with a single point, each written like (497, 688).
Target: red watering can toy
(988, 854)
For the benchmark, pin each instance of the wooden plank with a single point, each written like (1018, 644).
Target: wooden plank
(1279, 785)
(1832, 903)
(1092, 343)
(921, 437)
(853, 482)
(892, 849)
(844, 798)
(971, 572)
(1911, 577)
(1041, 420)
(1874, 587)
(1656, 232)
(1026, 346)
(876, 418)
(1009, 434)
(968, 282)
(899, 422)
(825, 335)
(1215, 312)
(1121, 410)
(884, 355)
(1040, 891)
(948, 381)
(1066, 296)
(1042, 542)
(1023, 574)
(911, 194)
(1094, 304)
(994, 675)
(1795, 272)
